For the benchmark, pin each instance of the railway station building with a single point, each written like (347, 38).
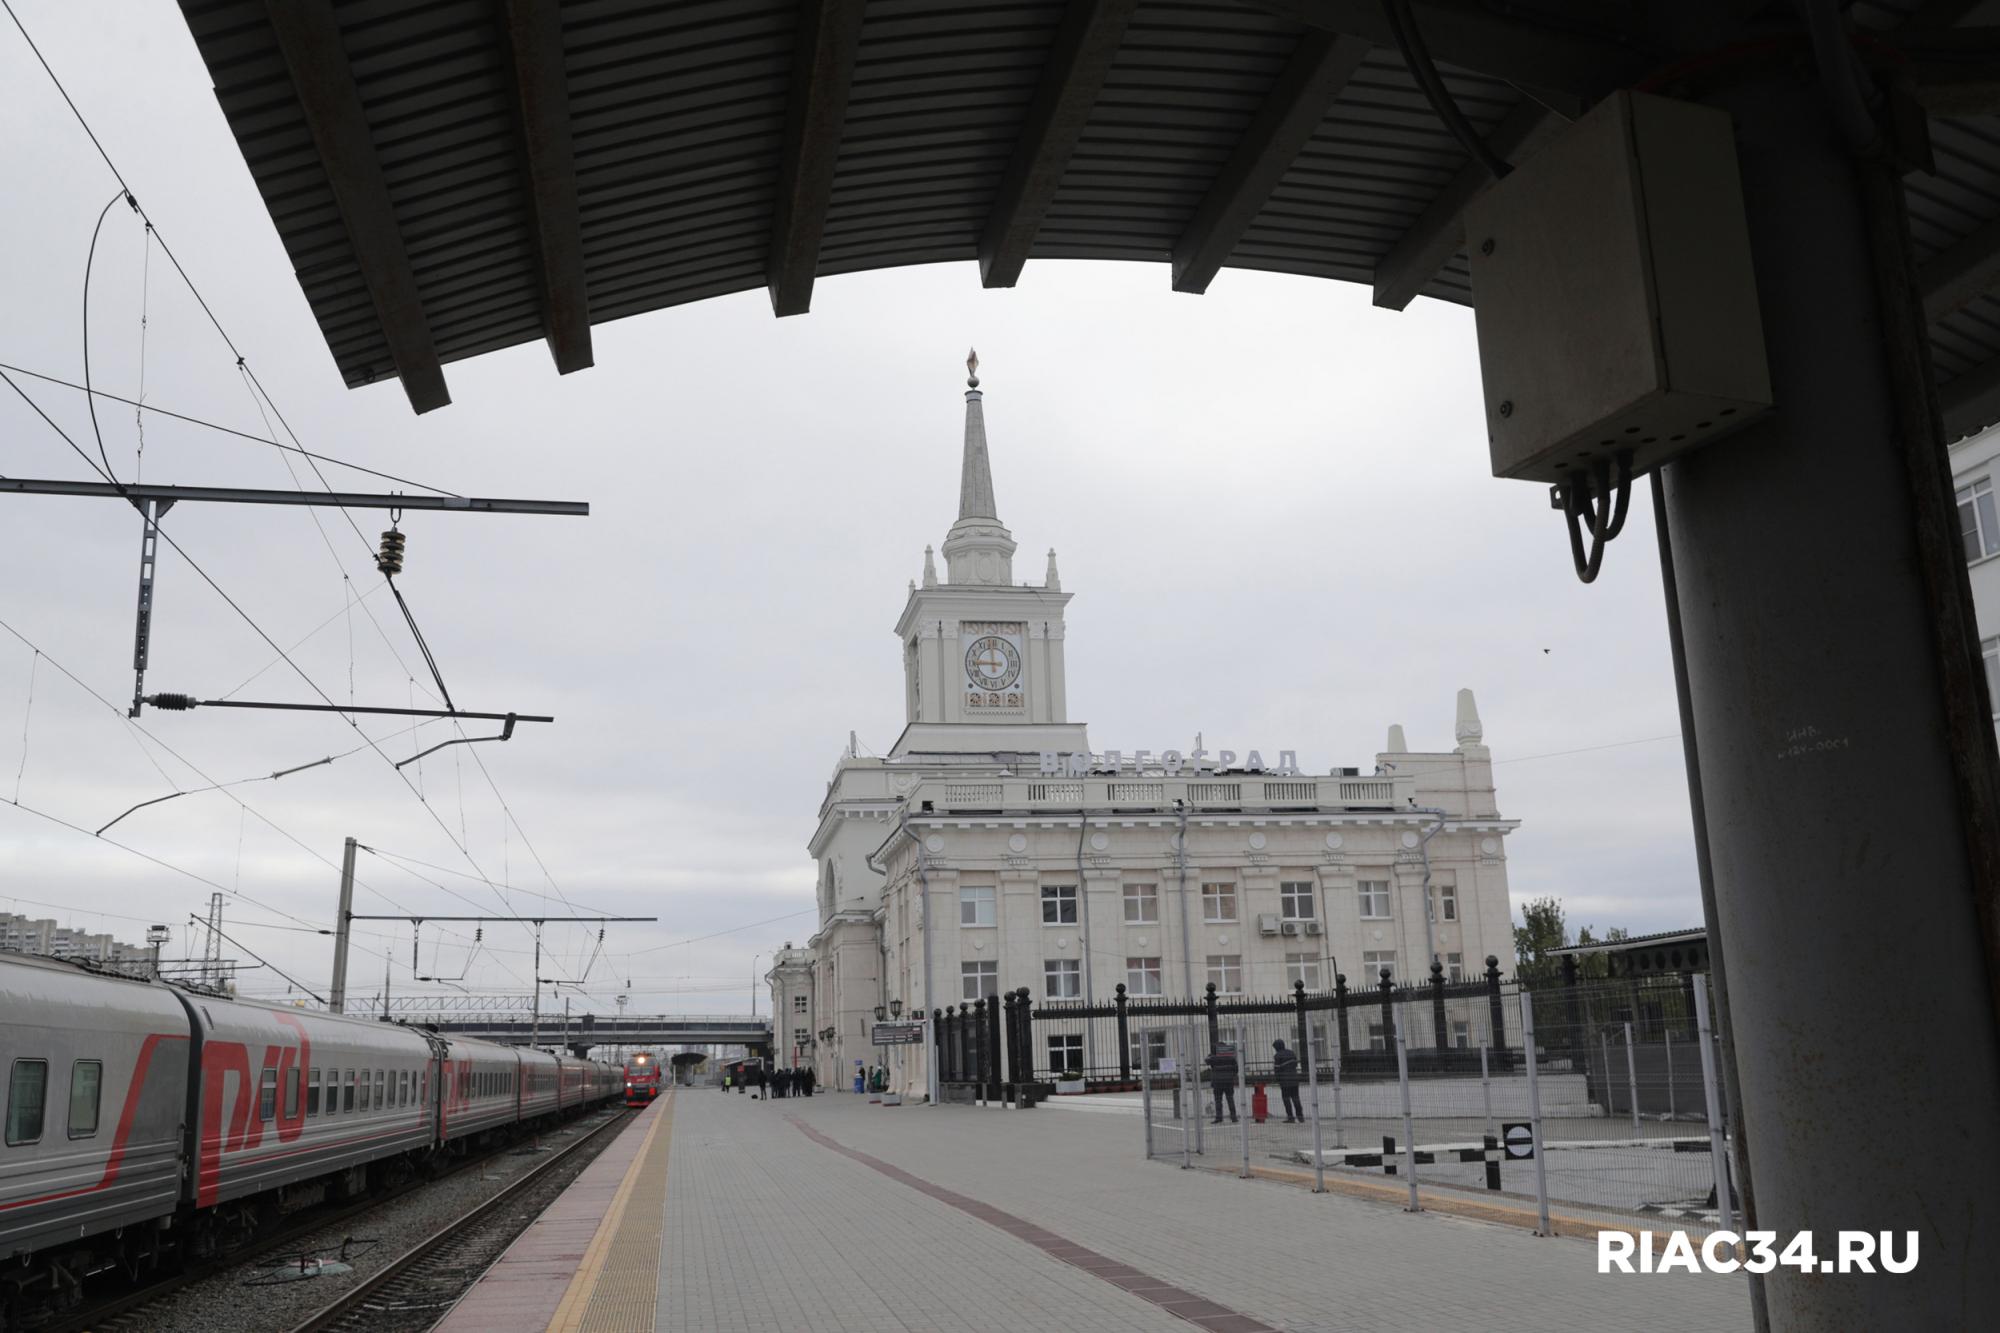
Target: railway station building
(993, 848)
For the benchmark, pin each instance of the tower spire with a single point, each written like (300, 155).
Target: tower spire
(978, 549)
(975, 487)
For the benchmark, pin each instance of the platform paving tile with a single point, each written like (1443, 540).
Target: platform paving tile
(769, 1232)
(769, 1229)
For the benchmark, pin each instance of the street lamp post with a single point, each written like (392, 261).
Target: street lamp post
(896, 1012)
(881, 1016)
(753, 984)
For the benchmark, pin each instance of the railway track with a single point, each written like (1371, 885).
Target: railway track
(414, 1290)
(134, 1312)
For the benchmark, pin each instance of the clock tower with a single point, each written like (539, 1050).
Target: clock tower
(983, 655)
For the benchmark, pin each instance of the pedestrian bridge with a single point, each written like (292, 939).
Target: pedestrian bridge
(581, 1033)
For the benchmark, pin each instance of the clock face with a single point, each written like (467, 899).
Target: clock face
(992, 663)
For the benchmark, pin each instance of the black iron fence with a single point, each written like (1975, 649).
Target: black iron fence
(1111, 1045)
(1011, 1045)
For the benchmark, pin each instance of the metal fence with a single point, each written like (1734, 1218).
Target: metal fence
(1615, 1119)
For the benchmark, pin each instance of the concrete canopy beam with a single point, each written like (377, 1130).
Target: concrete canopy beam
(1311, 82)
(309, 39)
(532, 35)
(1072, 77)
(829, 33)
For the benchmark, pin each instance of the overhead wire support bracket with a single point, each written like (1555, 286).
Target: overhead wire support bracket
(181, 703)
(138, 491)
(153, 501)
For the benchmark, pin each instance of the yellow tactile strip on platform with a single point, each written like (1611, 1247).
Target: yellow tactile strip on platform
(617, 1286)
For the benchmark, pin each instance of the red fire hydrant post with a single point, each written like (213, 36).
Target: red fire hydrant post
(1260, 1105)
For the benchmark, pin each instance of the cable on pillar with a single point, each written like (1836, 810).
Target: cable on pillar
(1595, 502)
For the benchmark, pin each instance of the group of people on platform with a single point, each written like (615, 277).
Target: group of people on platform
(756, 1080)
(1223, 1075)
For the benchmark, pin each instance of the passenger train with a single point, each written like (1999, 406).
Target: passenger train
(147, 1123)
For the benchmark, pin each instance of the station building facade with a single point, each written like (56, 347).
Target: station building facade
(993, 849)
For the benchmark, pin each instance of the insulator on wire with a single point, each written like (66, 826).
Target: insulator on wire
(390, 558)
(172, 703)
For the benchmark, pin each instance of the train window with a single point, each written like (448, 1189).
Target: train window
(86, 1082)
(267, 1094)
(27, 1090)
(312, 1093)
(380, 1101)
(292, 1093)
(347, 1102)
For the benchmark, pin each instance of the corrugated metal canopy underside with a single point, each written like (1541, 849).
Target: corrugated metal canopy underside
(682, 151)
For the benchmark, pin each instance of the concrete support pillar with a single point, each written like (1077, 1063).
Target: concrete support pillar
(1843, 857)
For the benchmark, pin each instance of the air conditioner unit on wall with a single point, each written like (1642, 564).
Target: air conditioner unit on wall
(1267, 924)
(1290, 928)
(1312, 928)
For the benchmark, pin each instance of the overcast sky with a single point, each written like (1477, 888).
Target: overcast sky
(1272, 504)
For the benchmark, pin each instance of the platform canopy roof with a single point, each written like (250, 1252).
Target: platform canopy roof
(454, 177)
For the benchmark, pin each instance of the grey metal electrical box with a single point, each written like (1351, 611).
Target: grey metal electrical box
(1614, 295)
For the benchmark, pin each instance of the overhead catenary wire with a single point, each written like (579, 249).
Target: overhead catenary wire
(258, 629)
(249, 372)
(27, 715)
(242, 362)
(89, 263)
(205, 424)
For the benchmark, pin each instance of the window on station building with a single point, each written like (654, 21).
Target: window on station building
(1062, 978)
(798, 1004)
(1142, 901)
(1218, 903)
(1058, 904)
(1142, 976)
(979, 979)
(1977, 523)
(799, 1036)
(1378, 1037)
(1461, 1033)
(976, 906)
(1295, 900)
(1371, 897)
(1444, 901)
(1372, 963)
(1302, 968)
(1317, 1034)
(1225, 973)
(1066, 1054)
(1454, 967)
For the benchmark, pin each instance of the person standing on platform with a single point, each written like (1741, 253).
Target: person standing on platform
(1222, 1078)
(781, 1082)
(806, 1080)
(1285, 1064)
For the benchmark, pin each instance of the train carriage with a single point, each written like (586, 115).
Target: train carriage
(538, 1084)
(97, 1073)
(288, 1095)
(481, 1088)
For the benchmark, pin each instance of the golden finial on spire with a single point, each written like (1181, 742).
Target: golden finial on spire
(972, 369)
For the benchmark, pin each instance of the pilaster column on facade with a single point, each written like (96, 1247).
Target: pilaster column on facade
(1407, 876)
(1101, 923)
